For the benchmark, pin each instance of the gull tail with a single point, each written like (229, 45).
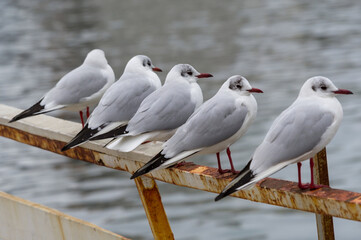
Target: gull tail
(83, 136)
(34, 110)
(154, 163)
(112, 133)
(243, 180)
(129, 143)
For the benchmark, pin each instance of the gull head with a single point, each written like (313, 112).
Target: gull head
(141, 63)
(185, 72)
(240, 84)
(96, 58)
(322, 87)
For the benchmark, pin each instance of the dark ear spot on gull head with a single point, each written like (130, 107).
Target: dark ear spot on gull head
(320, 84)
(236, 82)
(186, 70)
(147, 63)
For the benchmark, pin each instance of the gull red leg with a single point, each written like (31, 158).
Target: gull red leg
(87, 112)
(220, 170)
(312, 185)
(230, 160)
(81, 118)
(299, 165)
(300, 185)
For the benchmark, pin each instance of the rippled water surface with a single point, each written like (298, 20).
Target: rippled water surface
(277, 45)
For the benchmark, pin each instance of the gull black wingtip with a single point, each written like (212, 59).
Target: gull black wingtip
(82, 137)
(243, 177)
(118, 131)
(154, 163)
(220, 196)
(135, 175)
(225, 193)
(33, 110)
(66, 147)
(143, 170)
(13, 119)
(21, 115)
(75, 142)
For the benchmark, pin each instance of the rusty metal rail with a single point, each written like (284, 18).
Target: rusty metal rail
(52, 133)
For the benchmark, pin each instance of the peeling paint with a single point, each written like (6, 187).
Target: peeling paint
(152, 203)
(327, 201)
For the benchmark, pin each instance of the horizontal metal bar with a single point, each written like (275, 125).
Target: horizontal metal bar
(52, 133)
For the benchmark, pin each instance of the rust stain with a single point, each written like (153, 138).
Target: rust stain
(61, 227)
(335, 202)
(186, 166)
(100, 162)
(51, 145)
(356, 200)
(204, 170)
(154, 209)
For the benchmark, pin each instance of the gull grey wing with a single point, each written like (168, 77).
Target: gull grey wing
(164, 109)
(295, 132)
(80, 83)
(120, 102)
(215, 121)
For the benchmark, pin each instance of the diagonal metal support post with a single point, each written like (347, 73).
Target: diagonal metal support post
(152, 203)
(325, 228)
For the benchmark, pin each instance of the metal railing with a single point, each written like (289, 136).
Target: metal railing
(51, 134)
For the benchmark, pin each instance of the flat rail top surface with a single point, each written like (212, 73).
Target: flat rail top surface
(52, 134)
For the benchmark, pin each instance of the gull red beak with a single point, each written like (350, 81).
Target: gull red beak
(204, 75)
(343, 91)
(255, 90)
(155, 69)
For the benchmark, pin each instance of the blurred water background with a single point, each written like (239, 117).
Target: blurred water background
(277, 45)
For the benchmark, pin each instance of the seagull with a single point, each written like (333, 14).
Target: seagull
(212, 128)
(164, 110)
(121, 100)
(78, 89)
(300, 132)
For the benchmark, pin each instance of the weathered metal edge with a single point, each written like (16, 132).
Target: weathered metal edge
(333, 202)
(22, 219)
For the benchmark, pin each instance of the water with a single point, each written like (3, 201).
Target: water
(277, 45)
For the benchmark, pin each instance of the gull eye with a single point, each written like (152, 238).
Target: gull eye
(149, 64)
(190, 73)
(323, 87)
